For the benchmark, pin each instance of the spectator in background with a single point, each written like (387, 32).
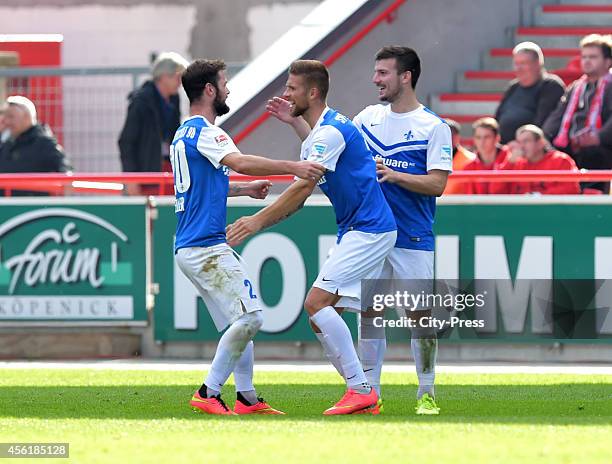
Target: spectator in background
(532, 96)
(4, 131)
(152, 118)
(31, 147)
(531, 151)
(461, 158)
(582, 122)
(490, 155)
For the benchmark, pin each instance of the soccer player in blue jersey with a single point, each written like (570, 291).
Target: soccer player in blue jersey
(412, 147)
(201, 155)
(366, 228)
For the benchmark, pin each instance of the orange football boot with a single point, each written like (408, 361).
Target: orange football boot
(261, 407)
(353, 401)
(213, 405)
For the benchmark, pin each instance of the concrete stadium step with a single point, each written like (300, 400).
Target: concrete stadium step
(465, 103)
(483, 81)
(557, 37)
(498, 59)
(466, 121)
(497, 81)
(571, 15)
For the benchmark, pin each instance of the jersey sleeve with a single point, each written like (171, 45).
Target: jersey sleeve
(326, 147)
(358, 121)
(214, 144)
(440, 149)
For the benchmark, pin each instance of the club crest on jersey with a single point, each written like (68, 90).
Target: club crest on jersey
(221, 140)
(408, 135)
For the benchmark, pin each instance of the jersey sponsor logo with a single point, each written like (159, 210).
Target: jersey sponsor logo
(393, 163)
(221, 140)
(446, 153)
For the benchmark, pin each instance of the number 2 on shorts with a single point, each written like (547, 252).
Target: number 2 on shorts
(247, 283)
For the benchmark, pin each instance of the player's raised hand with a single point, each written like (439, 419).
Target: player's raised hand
(240, 230)
(280, 109)
(259, 189)
(384, 173)
(308, 170)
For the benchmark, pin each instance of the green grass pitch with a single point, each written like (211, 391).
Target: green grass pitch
(143, 416)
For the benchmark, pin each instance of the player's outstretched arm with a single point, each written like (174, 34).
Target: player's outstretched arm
(290, 201)
(433, 183)
(281, 110)
(259, 166)
(258, 189)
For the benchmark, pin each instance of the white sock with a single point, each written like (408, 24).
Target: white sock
(339, 338)
(372, 346)
(243, 372)
(424, 351)
(230, 349)
(332, 356)
(372, 353)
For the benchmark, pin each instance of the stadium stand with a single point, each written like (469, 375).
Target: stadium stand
(557, 29)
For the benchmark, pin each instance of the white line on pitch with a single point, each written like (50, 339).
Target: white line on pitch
(191, 365)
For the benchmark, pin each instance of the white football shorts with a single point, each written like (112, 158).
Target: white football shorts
(358, 256)
(221, 281)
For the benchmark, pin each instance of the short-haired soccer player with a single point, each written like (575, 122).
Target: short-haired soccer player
(413, 151)
(366, 228)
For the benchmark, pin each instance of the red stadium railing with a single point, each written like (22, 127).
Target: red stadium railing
(114, 183)
(105, 183)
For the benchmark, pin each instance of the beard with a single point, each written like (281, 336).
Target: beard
(391, 96)
(220, 107)
(298, 110)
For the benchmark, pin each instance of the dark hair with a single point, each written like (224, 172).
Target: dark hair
(198, 74)
(315, 73)
(406, 59)
(455, 127)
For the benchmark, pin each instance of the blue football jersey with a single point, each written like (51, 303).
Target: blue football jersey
(201, 183)
(350, 180)
(415, 143)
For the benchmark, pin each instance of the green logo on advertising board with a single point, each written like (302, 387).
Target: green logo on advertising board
(72, 263)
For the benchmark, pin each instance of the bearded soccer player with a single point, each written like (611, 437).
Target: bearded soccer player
(201, 155)
(413, 152)
(366, 228)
